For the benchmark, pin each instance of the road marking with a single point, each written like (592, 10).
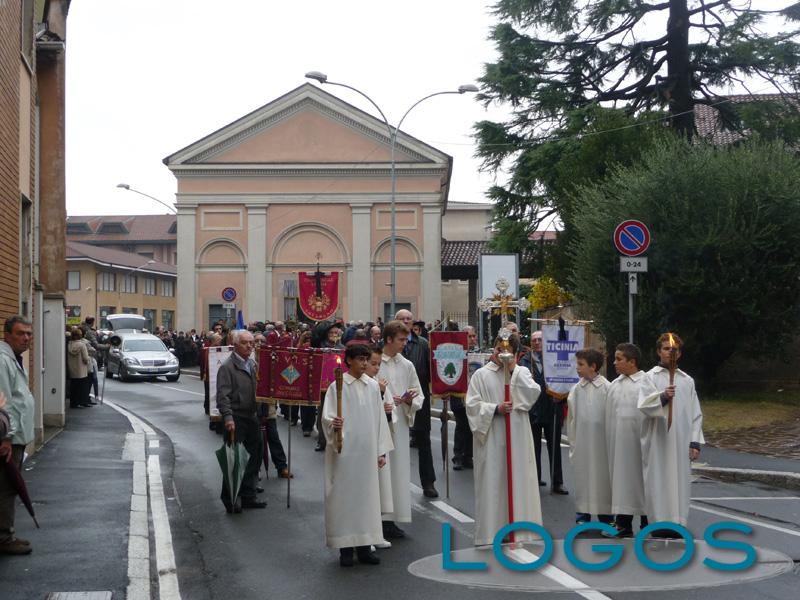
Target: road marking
(728, 515)
(176, 389)
(165, 554)
(455, 513)
(748, 498)
(521, 555)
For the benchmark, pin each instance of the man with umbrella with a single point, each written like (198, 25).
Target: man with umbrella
(14, 386)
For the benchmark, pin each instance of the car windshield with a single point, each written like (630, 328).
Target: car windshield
(143, 346)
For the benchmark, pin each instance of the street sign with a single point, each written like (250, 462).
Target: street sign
(229, 294)
(633, 283)
(228, 305)
(632, 238)
(633, 265)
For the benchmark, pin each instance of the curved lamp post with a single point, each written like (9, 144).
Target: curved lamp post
(462, 89)
(125, 186)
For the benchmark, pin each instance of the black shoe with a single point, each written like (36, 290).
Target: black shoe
(467, 462)
(253, 503)
(306, 434)
(560, 489)
(319, 448)
(542, 483)
(457, 464)
(346, 557)
(621, 532)
(429, 491)
(392, 531)
(666, 534)
(367, 556)
(259, 490)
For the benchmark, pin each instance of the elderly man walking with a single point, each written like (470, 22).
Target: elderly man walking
(14, 386)
(236, 401)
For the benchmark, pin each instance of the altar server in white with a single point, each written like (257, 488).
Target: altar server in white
(667, 451)
(486, 412)
(586, 430)
(352, 496)
(403, 390)
(624, 423)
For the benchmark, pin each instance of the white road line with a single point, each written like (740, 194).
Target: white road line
(736, 517)
(521, 555)
(168, 588)
(748, 498)
(176, 389)
(455, 513)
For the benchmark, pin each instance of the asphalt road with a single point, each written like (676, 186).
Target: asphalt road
(280, 552)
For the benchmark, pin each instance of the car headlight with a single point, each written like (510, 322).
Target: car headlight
(130, 360)
(172, 360)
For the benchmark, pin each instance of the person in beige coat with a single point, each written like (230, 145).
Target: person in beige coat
(78, 370)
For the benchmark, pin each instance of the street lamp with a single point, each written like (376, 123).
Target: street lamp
(323, 78)
(119, 286)
(125, 186)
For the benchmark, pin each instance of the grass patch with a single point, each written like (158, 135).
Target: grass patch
(729, 411)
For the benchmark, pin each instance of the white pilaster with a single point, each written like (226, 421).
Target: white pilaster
(360, 284)
(256, 263)
(432, 262)
(268, 294)
(186, 300)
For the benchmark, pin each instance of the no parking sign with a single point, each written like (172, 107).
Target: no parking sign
(632, 237)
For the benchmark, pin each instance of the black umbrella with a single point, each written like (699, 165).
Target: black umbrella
(19, 485)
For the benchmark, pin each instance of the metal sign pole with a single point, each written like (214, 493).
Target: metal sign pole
(630, 318)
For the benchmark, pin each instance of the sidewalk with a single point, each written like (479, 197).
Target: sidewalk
(81, 490)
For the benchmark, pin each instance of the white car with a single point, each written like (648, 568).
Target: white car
(140, 355)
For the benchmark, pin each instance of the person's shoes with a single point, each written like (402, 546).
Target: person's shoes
(21, 541)
(392, 531)
(622, 532)
(93, 403)
(85, 405)
(346, 557)
(457, 464)
(259, 490)
(429, 491)
(367, 556)
(15, 546)
(284, 474)
(212, 426)
(542, 483)
(467, 462)
(253, 503)
(383, 545)
(306, 434)
(319, 448)
(666, 534)
(560, 489)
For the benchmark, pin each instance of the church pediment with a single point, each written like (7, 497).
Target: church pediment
(306, 126)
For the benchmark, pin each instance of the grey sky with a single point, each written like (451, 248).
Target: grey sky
(148, 77)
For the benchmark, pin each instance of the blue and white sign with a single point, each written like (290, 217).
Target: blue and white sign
(632, 238)
(558, 357)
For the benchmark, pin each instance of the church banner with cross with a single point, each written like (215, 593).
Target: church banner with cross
(558, 357)
(318, 294)
(449, 363)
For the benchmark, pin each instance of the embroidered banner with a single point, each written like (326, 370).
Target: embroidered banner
(319, 294)
(558, 357)
(290, 376)
(448, 363)
(322, 375)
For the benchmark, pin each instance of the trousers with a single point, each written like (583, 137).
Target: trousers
(248, 433)
(553, 439)
(8, 496)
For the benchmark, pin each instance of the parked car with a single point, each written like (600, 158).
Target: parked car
(136, 355)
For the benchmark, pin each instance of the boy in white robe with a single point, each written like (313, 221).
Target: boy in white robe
(486, 410)
(586, 430)
(624, 422)
(352, 493)
(667, 452)
(403, 390)
(384, 474)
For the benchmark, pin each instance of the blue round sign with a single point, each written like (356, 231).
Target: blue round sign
(229, 294)
(632, 238)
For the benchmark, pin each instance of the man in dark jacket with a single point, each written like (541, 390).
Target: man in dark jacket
(545, 418)
(236, 401)
(418, 352)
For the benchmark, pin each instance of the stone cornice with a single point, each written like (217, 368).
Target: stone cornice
(366, 199)
(308, 170)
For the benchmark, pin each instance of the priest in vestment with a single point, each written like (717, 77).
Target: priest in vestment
(667, 452)
(352, 495)
(624, 423)
(586, 430)
(486, 411)
(404, 391)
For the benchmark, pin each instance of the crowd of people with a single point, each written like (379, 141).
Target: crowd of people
(629, 448)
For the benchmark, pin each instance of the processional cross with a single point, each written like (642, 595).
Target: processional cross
(503, 302)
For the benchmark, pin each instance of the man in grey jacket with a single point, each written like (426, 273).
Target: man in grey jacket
(14, 386)
(236, 401)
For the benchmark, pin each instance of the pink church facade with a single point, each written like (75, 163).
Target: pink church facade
(307, 179)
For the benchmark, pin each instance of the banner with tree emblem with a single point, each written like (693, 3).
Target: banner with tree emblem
(319, 294)
(448, 363)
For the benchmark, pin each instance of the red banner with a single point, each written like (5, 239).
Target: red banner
(264, 372)
(448, 363)
(323, 365)
(290, 376)
(319, 294)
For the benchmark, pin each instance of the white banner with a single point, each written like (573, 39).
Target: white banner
(216, 356)
(558, 357)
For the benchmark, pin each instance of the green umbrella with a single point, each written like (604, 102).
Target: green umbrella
(232, 458)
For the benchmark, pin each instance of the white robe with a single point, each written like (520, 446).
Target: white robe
(665, 454)
(489, 436)
(352, 497)
(401, 376)
(624, 423)
(588, 452)
(385, 477)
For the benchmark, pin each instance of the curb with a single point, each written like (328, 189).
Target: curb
(782, 479)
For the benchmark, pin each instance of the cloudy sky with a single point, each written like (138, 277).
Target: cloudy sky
(147, 77)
